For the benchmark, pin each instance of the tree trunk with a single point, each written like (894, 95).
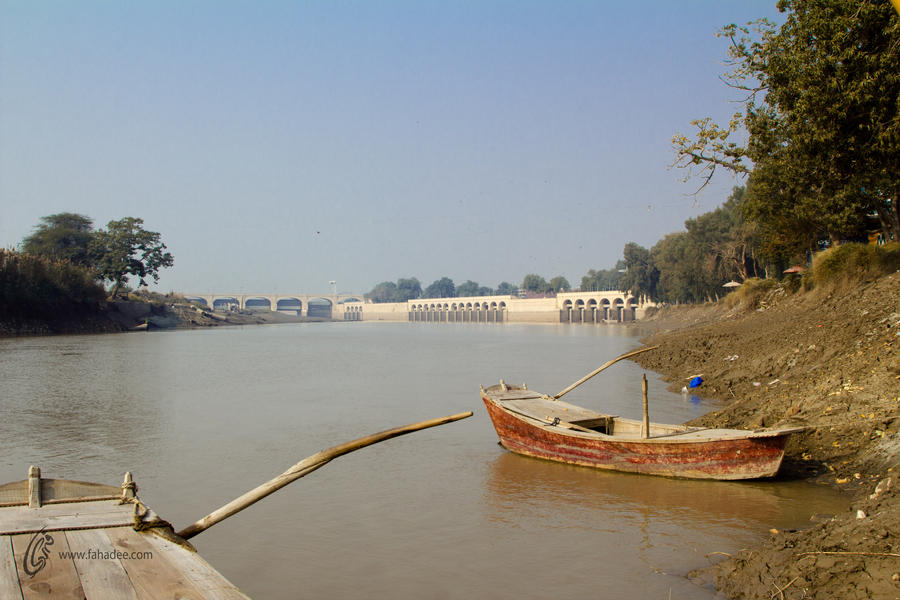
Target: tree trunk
(890, 223)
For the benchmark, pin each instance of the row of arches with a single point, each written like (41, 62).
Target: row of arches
(592, 311)
(353, 313)
(459, 312)
(317, 307)
(459, 306)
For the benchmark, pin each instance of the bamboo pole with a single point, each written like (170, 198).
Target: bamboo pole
(304, 467)
(608, 364)
(645, 429)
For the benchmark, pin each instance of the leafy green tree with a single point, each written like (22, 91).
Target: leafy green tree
(678, 273)
(385, 291)
(469, 288)
(506, 289)
(822, 109)
(441, 288)
(605, 280)
(559, 284)
(125, 249)
(408, 289)
(535, 283)
(641, 276)
(716, 247)
(403, 290)
(62, 236)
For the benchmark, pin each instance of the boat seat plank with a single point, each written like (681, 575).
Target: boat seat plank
(516, 395)
(155, 577)
(543, 408)
(57, 579)
(75, 515)
(9, 577)
(102, 575)
(204, 576)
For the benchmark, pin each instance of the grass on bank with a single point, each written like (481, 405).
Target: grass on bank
(833, 269)
(852, 263)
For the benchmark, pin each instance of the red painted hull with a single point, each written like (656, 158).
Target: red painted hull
(743, 457)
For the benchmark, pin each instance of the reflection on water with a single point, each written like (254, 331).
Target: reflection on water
(202, 416)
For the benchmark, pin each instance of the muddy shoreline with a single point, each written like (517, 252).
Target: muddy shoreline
(124, 315)
(826, 360)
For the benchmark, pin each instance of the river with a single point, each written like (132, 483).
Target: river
(202, 416)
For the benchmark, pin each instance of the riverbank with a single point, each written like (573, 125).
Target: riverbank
(138, 315)
(826, 359)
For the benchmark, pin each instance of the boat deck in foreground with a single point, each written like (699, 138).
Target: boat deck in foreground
(71, 539)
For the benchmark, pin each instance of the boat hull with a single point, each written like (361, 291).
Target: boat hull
(747, 457)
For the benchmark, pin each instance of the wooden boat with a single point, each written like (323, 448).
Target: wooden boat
(75, 539)
(545, 427)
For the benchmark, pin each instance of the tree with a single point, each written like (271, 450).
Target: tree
(441, 288)
(678, 273)
(506, 289)
(126, 249)
(62, 236)
(822, 110)
(469, 288)
(605, 280)
(403, 290)
(385, 291)
(559, 284)
(408, 289)
(640, 275)
(535, 283)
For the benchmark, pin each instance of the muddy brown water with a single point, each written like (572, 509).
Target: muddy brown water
(201, 416)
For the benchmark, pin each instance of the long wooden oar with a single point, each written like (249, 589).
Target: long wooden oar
(610, 363)
(304, 467)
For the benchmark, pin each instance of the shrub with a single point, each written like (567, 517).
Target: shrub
(39, 287)
(852, 263)
(751, 293)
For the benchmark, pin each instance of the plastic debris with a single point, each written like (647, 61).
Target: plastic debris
(696, 382)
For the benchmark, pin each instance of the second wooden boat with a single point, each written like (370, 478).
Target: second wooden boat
(542, 426)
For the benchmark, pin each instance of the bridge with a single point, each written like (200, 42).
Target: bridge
(306, 305)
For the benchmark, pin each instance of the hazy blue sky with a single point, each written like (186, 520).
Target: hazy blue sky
(280, 145)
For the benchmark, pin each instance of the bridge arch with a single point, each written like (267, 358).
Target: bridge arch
(225, 303)
(197, 300)
(604, 308)
(257, 303)
(619, 308)
(319, 307)
(289, 304)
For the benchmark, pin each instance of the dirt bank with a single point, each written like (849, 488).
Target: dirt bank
(827, 360)
(125, 315)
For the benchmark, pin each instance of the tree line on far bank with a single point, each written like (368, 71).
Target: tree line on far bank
(63, 266)
(531, 285)
(411, 288)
